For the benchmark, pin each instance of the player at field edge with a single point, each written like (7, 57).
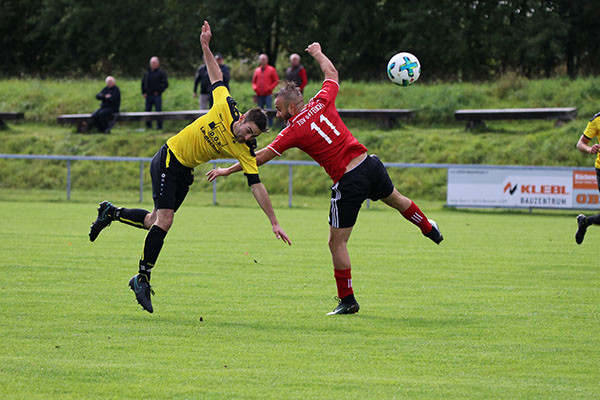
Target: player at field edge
(221, 132)
(592, 130)
(317, 129)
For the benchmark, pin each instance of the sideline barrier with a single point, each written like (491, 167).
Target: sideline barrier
(489, 190)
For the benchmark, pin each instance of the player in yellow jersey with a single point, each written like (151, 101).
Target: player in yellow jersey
(221, 132)
(591, 131)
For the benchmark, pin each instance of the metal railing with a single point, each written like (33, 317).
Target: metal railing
(289, 163)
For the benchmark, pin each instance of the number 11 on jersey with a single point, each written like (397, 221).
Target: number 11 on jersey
(323, 118)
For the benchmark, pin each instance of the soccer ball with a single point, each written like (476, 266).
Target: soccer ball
(404, 69)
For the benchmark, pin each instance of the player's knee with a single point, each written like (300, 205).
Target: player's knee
(164, 220)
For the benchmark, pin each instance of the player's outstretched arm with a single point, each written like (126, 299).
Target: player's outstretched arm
(214, 72)
(584, 147)
(262, 156)
(262, 198)
(314, 49)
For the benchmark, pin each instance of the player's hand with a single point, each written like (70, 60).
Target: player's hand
(313, 49)
(280, 234)
(215, 173)
(595, 149)
(206, 34)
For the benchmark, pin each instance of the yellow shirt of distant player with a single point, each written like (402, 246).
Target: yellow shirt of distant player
(211, 136)
(593, 130)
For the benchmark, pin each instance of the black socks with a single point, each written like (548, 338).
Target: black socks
(152, 245)
(131, 216)
(594, 219)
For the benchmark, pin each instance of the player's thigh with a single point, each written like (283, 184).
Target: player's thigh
(347, 196)
(381, 185)
(185, 178)
(164, 181)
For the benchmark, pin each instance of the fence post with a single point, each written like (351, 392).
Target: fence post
(368, 203)
(214, 186)
(68, 179)
(141, 181)
(290, 186)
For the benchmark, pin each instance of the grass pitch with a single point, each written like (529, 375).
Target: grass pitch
(506, 307)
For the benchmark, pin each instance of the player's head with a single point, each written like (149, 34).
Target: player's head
(219, 58)
(288, 101)
(250, 125)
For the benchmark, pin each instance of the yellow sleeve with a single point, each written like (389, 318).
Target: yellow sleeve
(220, 94)
(591, 130)
(247, 161)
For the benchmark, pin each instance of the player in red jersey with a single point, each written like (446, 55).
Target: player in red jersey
(317, 129)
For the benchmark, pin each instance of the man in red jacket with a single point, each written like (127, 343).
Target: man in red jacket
(264, 80)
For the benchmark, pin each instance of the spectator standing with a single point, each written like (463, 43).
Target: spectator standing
(296, 72)
(110, 96)
(264, 80)
(154, 84)
(206, 100)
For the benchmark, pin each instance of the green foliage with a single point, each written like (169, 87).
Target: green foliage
(461, 39)
(493, 312)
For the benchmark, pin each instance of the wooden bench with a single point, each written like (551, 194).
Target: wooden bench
(84, 121)
(476, 117)
(4, 116)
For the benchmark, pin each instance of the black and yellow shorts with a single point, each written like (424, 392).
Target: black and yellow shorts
(171, 180)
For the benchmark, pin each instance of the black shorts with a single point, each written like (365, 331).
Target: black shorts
(368, 180)
(170, 180)
(598, 178)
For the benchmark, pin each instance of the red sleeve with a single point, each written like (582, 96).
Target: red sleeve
(303, 77)
(328, 91)
(283, 141)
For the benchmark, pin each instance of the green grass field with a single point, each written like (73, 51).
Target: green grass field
(506, 307)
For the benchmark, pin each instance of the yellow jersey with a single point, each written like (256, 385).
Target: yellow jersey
(593, 130)
(211, 136)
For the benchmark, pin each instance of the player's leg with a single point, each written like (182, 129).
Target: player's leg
(345, 204)
(108, 213)
(170, 185)
(584, 221)
(411, 212)
(338, 245)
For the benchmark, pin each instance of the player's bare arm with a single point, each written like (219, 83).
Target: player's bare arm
(214, 72)
(262, 156)
(584, 147)
(262, 198)
(314, 49)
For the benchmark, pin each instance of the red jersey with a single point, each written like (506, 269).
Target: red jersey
(319, 131)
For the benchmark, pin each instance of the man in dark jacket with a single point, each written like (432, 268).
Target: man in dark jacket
(296, 72)
(154, 84)
(110, 96)
(206, 100)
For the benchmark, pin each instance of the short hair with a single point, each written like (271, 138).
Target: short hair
(259, 117)
(290, 93)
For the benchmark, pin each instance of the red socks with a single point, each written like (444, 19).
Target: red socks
(343, 280)
(416, 216)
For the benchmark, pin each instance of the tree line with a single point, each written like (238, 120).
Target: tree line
(455, 39)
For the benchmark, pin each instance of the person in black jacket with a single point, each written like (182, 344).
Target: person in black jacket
(154, 84)
(110, 96)
(206, 100)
